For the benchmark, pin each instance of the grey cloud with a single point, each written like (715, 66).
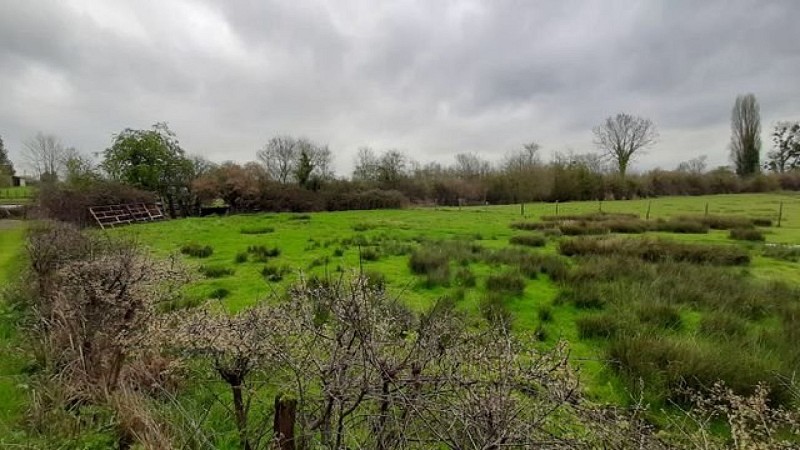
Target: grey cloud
(431, 78)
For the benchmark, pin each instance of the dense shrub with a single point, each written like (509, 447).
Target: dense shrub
(71, 203)
(493, 308)
(746, 234)
(529, 240)
(197, 250)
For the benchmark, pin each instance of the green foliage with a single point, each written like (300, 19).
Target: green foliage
(783, 252)
(241, 257)
(262, 253)
(657, 250)
(219, 293)
(465, 278)
(149, 159)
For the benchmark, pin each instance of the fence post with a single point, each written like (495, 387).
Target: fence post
(649, 204)
(706, 215)
(780, 214)
(600, 205)
(556, 207)
(522, 209)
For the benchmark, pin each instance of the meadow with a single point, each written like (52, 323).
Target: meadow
(664, 291)
(16, 195)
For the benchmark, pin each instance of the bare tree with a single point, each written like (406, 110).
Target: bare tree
(786, 155)
(694, 166)
(746, 135)
(366, 165)
(623, 136)
(279, 156)
(470, 165)
(45, 154)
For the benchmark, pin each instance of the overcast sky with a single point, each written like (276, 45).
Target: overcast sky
(431, 78)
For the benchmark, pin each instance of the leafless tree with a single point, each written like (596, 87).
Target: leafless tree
(623, 136)
(45, 154)
(279, 157)
(694, 166)
(786, 155)
(470, 166)
(746, 135)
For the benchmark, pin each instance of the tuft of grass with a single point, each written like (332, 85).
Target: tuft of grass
(590, 217)
(197, 250)
(531, 226)
(627, 226)
(465, 278)
(683, 226)
(339, 252)
(762, 222)
(654, 250)
(660, 315)
(493, 308)
(427, 260)
(256, 230)
(262, 253)
(746, 234)
(603, 326)
(274, 273)
(529, 240)
(219, 293)
(783, 252)
(216, 271)
(369, 254)
(545, 313)
(302, 217)
(583, 297)
(722, 325)
(583, 228)
(241, 257)
(507, 282)
(720, 222)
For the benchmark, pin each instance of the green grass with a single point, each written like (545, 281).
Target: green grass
(321, 243)
(12, 397)
(16, 195)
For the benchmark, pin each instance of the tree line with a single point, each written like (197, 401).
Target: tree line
(295, 174)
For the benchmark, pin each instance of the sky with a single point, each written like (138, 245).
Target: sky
(429, 78)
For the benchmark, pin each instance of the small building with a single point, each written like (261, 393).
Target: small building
(18, 181)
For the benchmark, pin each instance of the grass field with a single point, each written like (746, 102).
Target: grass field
(381, 242)
(12, 398)
(18, 195)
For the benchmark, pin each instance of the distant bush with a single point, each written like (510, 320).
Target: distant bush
(216, 271)
(531, 226)
(590, 217)
(257, 230)
(303, 217)
(508, 282)
(71, 203)
(197, 250)
(746, 234)
(627, 226)
(720, 222)
(762, 222)
(529, 240)
(426, 260)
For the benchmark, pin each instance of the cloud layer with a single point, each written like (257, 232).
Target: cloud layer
(430, 78)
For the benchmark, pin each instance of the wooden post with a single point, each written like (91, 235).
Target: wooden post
(600, 205)
(283, 425)
(522, 209)
(706, 209)
(556, 207)
(780, 214)
(649, 204)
